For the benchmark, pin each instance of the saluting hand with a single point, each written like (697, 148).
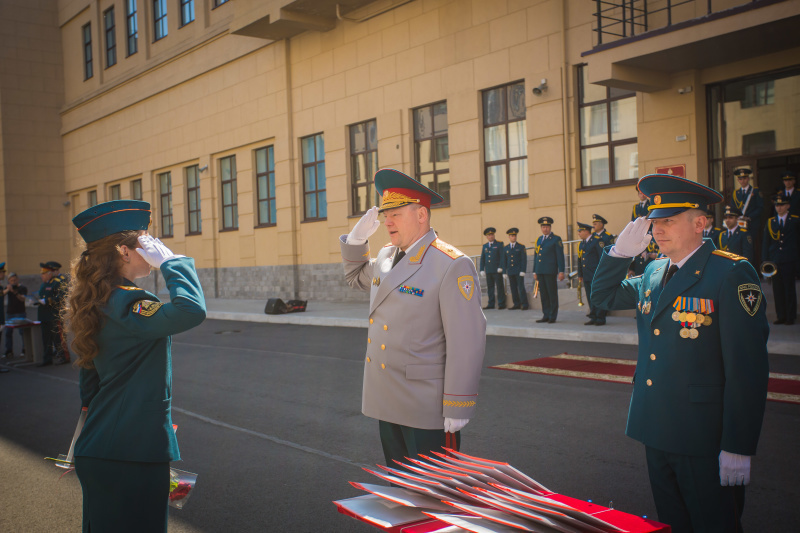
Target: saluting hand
(365, 227)
(154, 251)
(634, 239)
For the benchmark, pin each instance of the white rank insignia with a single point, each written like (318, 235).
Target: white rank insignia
(750, 297)
(466, 284)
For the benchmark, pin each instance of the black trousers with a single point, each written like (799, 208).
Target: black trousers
(784, 291)
(518, 294)
(53, 340)
(549, 291)
(400, 442)
(688, 495)
(492, 280)
(595, 313)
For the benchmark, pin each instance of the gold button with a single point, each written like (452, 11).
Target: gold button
(369, 360)
(369, 340)
(647, 292)
(657, 332)
(385, 327)
(370, 321)
(383, 346)
(649, 382)
(652, 357)
(383, 366)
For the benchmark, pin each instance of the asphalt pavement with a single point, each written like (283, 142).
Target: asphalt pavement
(269, 417)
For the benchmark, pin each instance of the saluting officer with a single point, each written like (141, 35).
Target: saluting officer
(427, 333)
(548, 264)
(492, 268)
(515, 261)
(640, 209)
(51, 303)
(701, 376)
(711, 231)
(781, 242)
(734, 239)
(789, 191)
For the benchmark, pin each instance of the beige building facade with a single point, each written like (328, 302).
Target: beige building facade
(253, 127)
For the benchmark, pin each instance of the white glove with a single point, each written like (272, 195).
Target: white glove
(41, 301)
(451, 425)
(522, 274)
(633, 240)
(154, 251)
(365, 227)
(499, 270)
(734, 469)
(505, 277)
(483, 273)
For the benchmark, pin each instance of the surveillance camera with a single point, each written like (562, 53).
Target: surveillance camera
(66, 204)
(540, 88)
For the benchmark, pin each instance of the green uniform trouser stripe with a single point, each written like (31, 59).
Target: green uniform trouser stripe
(400, 442)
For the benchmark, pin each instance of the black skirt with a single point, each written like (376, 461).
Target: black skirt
(122, 496)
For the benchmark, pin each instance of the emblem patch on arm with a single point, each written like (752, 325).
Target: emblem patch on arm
(466, 284)
(146, 307)
(750, 297)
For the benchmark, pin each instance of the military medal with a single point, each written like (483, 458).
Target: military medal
(676, 316)
(684, 333)
(682, 317)
(707, 321)
(692, 313)
(693, 333)
(691, 317)
(700, 319)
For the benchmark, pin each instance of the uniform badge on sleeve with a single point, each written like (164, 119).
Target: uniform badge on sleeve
(750, 297)
(466, 284)
(146, 307)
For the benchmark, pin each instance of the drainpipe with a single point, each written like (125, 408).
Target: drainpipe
(292, 173)
(565, 121)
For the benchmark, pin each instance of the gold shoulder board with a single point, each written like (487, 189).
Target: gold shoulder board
(448, 250)
(728, 255)
(146, 307)
(129, 288)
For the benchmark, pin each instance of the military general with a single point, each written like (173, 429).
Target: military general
(700, 385)
(548, 265)
(515, 262)
(427, 334)
(491, 267)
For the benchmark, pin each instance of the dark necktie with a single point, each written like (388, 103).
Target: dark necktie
(670, 273)
(780, 223)
(398, 257)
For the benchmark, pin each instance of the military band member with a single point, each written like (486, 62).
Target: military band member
(701, 377)
(548, 265)
(600, 239)
(515, 262)
(711, 231)
(641, 261)
(492, 268)
(640, 209)
(782, 247)
(427, 333)
(585, 235)
(734, 239)
(789, 191)
(51, 304)
(747, 199)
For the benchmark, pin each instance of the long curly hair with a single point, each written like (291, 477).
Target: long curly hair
(95, 274)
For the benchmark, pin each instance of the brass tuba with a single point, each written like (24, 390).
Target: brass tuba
(768, 269)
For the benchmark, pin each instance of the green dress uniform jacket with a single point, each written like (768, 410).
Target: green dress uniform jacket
(427, 333)
(640, 210)
(712, 234)
(739, 242)
(515, 260)
(53, 293)
(694, 396)
(129, 391)
(549, 255)
(754, 208)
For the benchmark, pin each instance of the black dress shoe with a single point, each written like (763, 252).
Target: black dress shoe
(780, 321)
(44, 363)
(514, 307)
(3, 370)
(599, 323)
(489, 307)
(790, 322)
(524, 307)
(590, 323)
(502, 307)
(551, 321)
(543, 319)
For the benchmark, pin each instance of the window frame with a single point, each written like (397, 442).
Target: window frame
(157, 20)
(91, 198)
(115, 188)
(507, 161)
(110, 31)
(88, 67)
(218, 3)
(137, 183)
(166, 216)
(183, 5)
(370, 181)
(234, 205)
(610, 144)
(415, 141)
(317, 191)
(196, 192)
(131, 27)
(269, 175)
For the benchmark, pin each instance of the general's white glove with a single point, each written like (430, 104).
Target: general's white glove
(451, 425)
(522, 274)
(154, 251)
(633, 240)
(734, 469)
(499, 270)
(365, 227)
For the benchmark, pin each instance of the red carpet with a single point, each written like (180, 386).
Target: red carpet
(782, 387)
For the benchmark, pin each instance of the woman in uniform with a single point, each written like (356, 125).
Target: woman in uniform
(122, 337)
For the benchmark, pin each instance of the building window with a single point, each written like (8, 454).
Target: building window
(315, 195)
(115, 192)
(87, 52)
(193, 200)
(159, 19)
(187, 12)
(363, 163)
(758, 94)
(431, 148)
(230, 207)
(92, 198)
(505, 142)
(132, 27)
(265, 185)
(111, 37)
(136, 189)
(609, 151)
(218, 3)
(165, 191)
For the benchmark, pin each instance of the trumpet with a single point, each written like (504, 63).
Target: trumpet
(580, 298)
(768, 269)
(536, 289)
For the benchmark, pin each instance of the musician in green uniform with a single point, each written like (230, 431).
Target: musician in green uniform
(711, 231)
(735, 239)
(515, 262)
(640, 209)
(122, 338)
(548, 265)
(700, 385)
(782, 249)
